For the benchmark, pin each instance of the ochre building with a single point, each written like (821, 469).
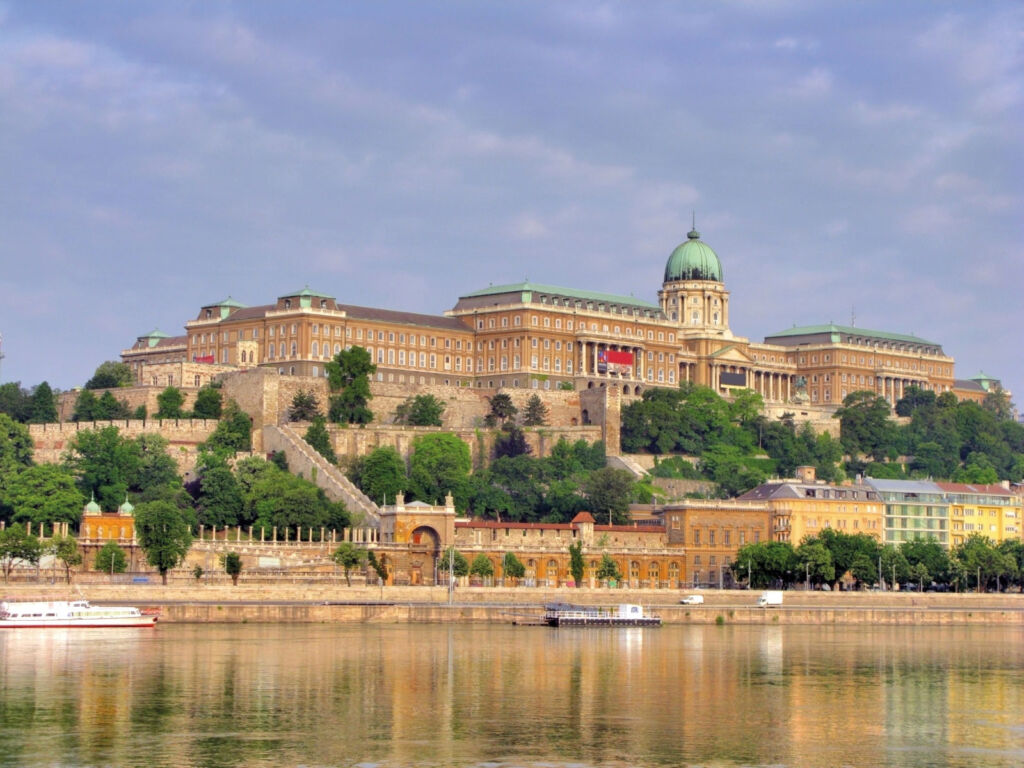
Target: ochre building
(528, 335)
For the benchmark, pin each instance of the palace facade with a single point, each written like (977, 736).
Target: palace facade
(528, 335)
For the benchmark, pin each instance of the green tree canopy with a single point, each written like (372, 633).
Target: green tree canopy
(348, 556)
(15, 401)
(233, 432)
(233, 566)
(65, 549)
(319, 439)
(460, 566)
(420, 411)
(865, 426)
(608, 569)
(104, 463)
(110, 375)
(512, 567)
(164, 534)
(440, 463)
(536, 412)
(380, 474)
(768, 564)
(209, 403)
(43, 405)
(501, 410)
(17, 546)
(15, 446)
(481, 566)
(42, 494)
(348, 376)
(608, 491)
(576, 563)
(110, 559)
(304, 407)
(169, 404)
(220, 502)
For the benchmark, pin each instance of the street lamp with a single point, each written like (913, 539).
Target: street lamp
(808, 567)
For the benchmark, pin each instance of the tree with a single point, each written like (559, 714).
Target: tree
(420, 411)
(440, 463)
(865, 426)
(845, 549)
(608, 569)
(512, 567)
(482, 566)
(65, 549)
(233, 432)
(169, 403)
(85, 406)
(104, 463)
(502, 409)
(15, 446)
(209, 403)
(378, 565)
(607, 492)
(733, 472)
(164, 534)
(43, 406)
(536, 413)
(319, 439)
(110, 408)
(913, 398)
(863, 569)
(511, 441)
(894, 566)
(997, 402)
(983, 562)
(380, 474)
(17, 546)
(348, 376)
(42, 494)
(456, 559)
(281, 500)
(816, 562)
(348, 556)
(220, 501)
(155, 469)
(110, 559)
(233, 566)
(15, 401)
(769, 564)
(929, 553)
(576, 564)
(111, 375)
(305, 406)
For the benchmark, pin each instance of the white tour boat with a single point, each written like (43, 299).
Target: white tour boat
(18, 614)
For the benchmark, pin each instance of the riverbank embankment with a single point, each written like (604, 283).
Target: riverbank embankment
(338, 603)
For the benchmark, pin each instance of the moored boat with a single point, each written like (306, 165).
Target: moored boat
(624, 615)
(41, 614)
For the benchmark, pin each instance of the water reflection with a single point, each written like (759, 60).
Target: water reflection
(500, 695)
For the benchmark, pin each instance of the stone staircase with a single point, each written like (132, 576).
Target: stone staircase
(315, 468)
(628, 464)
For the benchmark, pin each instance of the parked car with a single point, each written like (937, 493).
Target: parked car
(693, 600)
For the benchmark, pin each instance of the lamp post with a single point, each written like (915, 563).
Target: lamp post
(808, 581)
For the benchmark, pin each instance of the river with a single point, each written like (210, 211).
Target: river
(494, 696)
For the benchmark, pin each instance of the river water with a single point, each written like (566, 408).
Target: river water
(495, 696)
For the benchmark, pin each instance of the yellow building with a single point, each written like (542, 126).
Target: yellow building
(528, 335)
(806, 507)
(991, 510)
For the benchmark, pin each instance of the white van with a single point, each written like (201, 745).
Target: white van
(693, 600)
(773, 597)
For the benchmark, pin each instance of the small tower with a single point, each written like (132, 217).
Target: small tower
(693, 293)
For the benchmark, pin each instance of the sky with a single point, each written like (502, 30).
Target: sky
(850, 162)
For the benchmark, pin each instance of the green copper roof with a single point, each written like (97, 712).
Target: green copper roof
(153, 337)
(693, 260)
(528, 289)
(228, 302)
(92, 506)
(306, 292)
(839, 331)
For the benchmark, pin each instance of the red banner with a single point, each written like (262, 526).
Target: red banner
(614, 361)
(204, 359)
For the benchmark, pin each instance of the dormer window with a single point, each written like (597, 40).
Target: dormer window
(287, 303)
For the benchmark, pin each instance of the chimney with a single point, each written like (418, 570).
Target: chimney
(806, 474)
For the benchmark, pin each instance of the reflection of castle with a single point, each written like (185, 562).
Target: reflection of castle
(527, 335)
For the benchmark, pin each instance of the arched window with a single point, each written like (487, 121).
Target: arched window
(270, 354)
(294, 348)
(316, 349)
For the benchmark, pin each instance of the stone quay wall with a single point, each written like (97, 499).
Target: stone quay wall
(333, 601)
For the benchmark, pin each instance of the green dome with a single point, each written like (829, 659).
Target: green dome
(92, 508)
(693, 260)
(126, 509)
